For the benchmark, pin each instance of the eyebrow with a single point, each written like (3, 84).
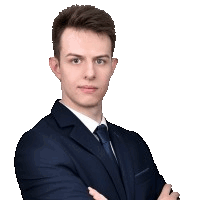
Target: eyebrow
(80, 56)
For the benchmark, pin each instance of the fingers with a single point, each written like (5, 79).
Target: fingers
(95, 194)
(175, 195)
(165, 194)
(166, 189)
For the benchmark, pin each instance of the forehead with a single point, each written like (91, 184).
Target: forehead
(84, 42)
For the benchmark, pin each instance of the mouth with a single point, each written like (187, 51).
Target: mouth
(89, 89)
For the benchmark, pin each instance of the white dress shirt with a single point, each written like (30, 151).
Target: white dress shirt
(90, 123)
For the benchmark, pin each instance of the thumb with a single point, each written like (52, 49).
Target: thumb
(166, 190)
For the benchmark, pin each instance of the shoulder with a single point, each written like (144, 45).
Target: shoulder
(39, 152)
(41, 136)
(39, 145)
(138, 148)
(126, 134)
(133, 141)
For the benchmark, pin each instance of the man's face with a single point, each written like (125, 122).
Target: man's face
(85, 67)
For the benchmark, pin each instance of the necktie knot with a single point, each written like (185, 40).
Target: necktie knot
(103, 134)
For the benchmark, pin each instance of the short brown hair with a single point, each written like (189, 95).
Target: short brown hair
(82, 17)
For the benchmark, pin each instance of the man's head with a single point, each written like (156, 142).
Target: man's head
(83, 47)
(82, 17)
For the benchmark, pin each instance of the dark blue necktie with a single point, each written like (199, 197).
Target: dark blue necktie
(103, 135)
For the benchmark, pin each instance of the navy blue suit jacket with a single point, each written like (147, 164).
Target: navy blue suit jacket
(59, 158)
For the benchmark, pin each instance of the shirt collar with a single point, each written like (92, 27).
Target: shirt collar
(87, 121)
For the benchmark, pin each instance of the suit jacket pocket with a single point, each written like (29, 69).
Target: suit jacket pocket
(143, 175)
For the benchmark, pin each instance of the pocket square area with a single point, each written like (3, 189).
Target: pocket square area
(143, 171)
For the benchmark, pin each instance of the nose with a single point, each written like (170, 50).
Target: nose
(90, 73)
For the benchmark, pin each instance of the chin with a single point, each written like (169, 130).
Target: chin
(89, 104)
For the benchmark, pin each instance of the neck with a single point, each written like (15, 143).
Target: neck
(94, 113)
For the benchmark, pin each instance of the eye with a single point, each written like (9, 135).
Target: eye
(100, 61)
(75, 60)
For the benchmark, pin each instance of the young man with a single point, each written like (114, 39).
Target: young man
(74, 147)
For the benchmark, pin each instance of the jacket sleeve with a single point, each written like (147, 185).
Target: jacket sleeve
(44, 171)
(158, 181)
(149, 185)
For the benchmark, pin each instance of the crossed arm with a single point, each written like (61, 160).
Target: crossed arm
(40, 162)
(165, 194)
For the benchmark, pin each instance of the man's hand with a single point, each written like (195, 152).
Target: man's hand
(165, 194)
(96, 195)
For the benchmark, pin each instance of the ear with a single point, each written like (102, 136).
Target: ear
(54, 65)
(114, 64)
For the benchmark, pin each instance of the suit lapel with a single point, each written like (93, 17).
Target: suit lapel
(81, 134)
(125, 160)
(85, 138)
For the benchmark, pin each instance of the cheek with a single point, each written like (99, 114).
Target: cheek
(68, 84)
(105, 83)
(107, 77)
(69, 77)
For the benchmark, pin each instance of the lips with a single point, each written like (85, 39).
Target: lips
(89, 89)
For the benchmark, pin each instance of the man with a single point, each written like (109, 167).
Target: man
(74, 147)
